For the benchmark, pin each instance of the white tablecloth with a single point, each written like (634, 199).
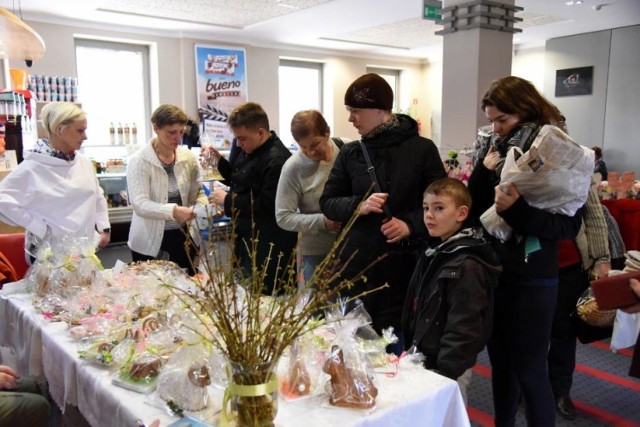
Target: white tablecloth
(414, 397)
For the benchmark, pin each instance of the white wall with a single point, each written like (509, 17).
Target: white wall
(432, 84)
(610, 116)
(621, 141)
(339, 71)
(176, 76)
(585, 113)
(59, 58)
(529, 64)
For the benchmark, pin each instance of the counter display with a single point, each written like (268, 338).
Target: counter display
(65, 347)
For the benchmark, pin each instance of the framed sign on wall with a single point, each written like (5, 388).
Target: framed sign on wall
(574, 81)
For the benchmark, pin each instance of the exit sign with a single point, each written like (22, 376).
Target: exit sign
(432, 10)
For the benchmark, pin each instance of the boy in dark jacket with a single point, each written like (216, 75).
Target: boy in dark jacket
(448, 311)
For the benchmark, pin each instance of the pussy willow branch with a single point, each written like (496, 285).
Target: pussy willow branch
(248, 327)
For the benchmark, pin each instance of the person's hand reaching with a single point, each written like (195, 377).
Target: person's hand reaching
(8, 378)
(373, 204)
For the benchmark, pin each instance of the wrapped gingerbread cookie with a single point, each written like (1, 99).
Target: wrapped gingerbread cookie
(64, 265)
(97, 351)
(141, 374)
(186, 376)
(352, 376)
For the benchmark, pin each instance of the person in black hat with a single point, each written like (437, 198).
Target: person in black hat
(389, 220)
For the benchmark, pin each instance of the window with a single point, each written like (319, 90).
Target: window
(393, 78)
(300, 86)
(113, 88)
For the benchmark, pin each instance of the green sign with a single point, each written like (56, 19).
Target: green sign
(431, 12)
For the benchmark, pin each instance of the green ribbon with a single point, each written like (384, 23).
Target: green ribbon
(245, 391)
(68, 263)
(91, 254)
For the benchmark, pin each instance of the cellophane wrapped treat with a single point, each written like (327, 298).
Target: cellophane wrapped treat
(123, 352)
(300, 369)
(141, 372)
(351, 384)
(300, 373)
(161, 336)
(374, 345)
(97, 350)
(64, 265)
(186, 376)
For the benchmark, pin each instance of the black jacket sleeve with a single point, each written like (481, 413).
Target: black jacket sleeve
(432, 169)
(337, 201)
(482, 184)
(527, 220)
(264, 199)
(224, 167)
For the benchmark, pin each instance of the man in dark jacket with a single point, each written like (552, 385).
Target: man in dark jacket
(448, 311)
(253, 180)
(390, 218)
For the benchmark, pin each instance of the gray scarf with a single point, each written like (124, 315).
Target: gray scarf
(392, 123)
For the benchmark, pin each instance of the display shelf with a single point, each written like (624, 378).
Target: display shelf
(120, 215)
(18, 41)
(89, 145)
(111, 175)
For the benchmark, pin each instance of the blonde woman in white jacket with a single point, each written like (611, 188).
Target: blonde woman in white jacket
(162, 180)
(54, 192)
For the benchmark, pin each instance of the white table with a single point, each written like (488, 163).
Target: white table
(45, 350)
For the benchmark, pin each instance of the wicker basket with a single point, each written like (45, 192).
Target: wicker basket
(588, 310)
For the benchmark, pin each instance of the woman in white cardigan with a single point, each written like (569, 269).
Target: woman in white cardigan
(162, 180)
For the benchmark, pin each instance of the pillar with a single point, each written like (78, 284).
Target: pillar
(477, 49)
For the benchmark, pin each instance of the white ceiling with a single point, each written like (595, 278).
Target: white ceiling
(355, 27)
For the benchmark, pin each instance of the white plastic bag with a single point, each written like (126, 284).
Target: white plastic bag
(554, 175)
(625, 330)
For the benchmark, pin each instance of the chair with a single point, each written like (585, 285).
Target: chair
(627, 214)
(12, 246)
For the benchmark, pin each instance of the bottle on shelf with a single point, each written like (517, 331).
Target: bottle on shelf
(120, 134)
(112, 134)
(134, 133)
(127, 135)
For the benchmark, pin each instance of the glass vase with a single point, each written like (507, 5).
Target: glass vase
(253, 394)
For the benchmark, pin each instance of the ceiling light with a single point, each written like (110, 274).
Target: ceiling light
(573, 2)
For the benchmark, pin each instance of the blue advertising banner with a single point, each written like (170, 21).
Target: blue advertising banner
(221, 85)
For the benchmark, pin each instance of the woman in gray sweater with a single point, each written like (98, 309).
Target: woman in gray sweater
(300, 187)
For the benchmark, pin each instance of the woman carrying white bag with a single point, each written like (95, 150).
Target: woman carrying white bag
(526, 294)
(554, 174)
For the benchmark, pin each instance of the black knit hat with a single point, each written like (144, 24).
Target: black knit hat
(369, 91)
